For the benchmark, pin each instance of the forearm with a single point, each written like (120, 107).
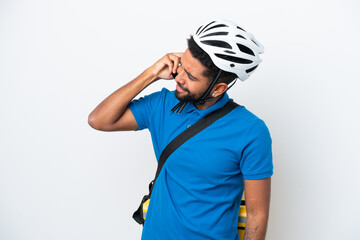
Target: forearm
(256, 227)
(113, 107)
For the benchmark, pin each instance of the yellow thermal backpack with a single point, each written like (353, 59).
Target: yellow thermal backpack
(242, 218)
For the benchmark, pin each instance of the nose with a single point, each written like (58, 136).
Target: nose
(180, 79)
(179, 76)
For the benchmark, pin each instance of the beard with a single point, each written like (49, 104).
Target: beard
(188, 96)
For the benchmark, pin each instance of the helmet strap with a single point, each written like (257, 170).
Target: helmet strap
(203, 100)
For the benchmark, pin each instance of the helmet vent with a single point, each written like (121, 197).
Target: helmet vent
(245, 49)
(227, 51)
(251, 69)
(255, 42)
(217, 43)
(216, 26)
(240, 36)
(206, 27)
(215, 34)
(233, 59)
(240, 28)
(198, 29)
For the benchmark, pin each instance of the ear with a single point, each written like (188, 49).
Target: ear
(219, 89)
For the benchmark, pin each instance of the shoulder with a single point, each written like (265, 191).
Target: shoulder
(167, 98)
(155, 97)
(241, 113)
(155, 102)
(164, 93)
(148, 108)
(244, 119)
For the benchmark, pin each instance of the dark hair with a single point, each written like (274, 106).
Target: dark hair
(211, 70)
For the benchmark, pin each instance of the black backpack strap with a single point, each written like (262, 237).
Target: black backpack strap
(190, 132)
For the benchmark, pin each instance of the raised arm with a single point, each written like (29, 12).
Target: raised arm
(257, 197)
(113, 114)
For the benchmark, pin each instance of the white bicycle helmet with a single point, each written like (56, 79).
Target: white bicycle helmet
(230, 47)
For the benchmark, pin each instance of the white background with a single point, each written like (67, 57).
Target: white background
(61, 179)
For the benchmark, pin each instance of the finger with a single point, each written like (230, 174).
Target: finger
(169, 62)
(178, 54)
(176, 64)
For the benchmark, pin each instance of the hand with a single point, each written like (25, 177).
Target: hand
(168, 64)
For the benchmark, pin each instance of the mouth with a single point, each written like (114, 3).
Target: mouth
(179, 89)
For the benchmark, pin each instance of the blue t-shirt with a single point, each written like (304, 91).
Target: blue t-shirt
(198, 192)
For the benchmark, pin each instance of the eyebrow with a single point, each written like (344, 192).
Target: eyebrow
(189, 74)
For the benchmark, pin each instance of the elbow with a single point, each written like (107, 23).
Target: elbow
(260, 215)
(92, 122)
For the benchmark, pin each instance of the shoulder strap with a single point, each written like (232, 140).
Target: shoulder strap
(190, 132)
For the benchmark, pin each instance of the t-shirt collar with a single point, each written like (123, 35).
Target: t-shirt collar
(190, 107)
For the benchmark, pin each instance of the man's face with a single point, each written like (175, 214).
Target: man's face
(191, 84)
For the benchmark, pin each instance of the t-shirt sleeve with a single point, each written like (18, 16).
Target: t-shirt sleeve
(256, 161)
(144, 107)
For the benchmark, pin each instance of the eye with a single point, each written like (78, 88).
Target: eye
(191, 77)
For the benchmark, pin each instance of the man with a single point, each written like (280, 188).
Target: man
(198, 191)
